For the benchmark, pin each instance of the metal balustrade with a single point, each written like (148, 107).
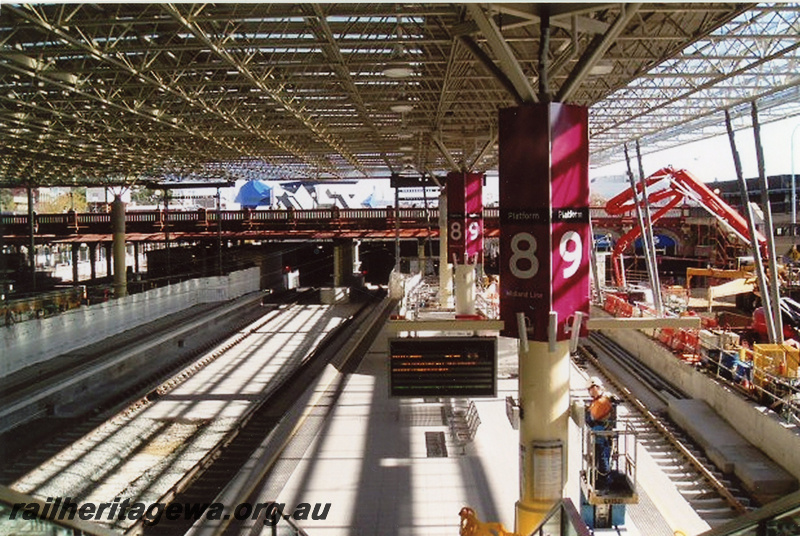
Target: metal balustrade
(319, 219)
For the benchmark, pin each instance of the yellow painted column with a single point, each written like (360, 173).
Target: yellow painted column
(543, 430)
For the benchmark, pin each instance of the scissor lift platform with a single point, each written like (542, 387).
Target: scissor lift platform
(620, 490)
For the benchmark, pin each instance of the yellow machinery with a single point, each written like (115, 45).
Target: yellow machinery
(779, 360)
(775, 373)
(741, 273)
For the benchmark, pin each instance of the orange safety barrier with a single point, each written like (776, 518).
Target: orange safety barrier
(665, 335)
(625, 310)
(692, 341)
(647, 310)
(677, 340)
(611, 304)
(708, 323)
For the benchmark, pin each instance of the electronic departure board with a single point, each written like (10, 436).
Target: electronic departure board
(443, 366)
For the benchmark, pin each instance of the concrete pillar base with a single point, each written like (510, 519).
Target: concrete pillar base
(445, 284)
(465, 289)
(528, 515)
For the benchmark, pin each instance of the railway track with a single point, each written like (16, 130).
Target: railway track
(205, 478)
(50, 435)
(714, 496)
(235, 456)
(101, 400)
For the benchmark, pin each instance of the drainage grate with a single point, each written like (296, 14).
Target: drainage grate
(434, 443)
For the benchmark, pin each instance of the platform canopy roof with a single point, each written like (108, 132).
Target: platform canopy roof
(122, 92)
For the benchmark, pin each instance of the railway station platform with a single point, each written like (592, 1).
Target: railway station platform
(391, 466)
(367, 462)
(148, 449)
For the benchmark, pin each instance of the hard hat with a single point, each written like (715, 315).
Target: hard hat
(594, 380)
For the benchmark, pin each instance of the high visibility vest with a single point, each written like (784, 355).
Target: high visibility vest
(600, 408)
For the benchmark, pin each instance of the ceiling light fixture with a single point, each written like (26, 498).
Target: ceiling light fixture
(601, 68)
(401, 107)
(397, 70)
(398, 66)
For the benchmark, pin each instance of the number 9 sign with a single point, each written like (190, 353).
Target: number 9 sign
(571, 256)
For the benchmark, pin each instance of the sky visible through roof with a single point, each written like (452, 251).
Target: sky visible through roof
(711, 159)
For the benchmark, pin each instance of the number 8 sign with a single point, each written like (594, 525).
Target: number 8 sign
(544, 217)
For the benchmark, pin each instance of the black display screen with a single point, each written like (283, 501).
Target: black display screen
(443, 367)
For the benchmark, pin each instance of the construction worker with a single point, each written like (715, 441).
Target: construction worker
(794, 255)
(601, 416)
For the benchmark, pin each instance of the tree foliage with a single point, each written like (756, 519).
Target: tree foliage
(6, 200)
(75, 200)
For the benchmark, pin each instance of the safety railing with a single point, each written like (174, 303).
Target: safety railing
(767, 373)
(563, 519)
(144, 221)
(39, 305)
(787, 229)
(778, 517)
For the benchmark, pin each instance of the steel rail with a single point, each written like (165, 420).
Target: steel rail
(651, 418)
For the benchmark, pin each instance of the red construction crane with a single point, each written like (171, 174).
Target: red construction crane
(680, 185)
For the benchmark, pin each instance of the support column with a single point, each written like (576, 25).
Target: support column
(397, 229)
(543, 430)
(166, 231)
(465, 234)
(651, 251)
(421, 256)
(136, 257)
(3, 274)
(109, 256)
(766, 301)
(92, 260)
(32, 237)
(544, 282)
(219, 233)
(120, 264)
(644, 225)
(445, 268)
(342, 262)
(465, 289)
(772, 257)
(356, 256)
(76, 247)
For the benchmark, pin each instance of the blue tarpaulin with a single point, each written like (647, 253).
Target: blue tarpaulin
(253, 194)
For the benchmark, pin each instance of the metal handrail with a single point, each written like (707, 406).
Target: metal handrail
(785, 510)
(565, 517)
